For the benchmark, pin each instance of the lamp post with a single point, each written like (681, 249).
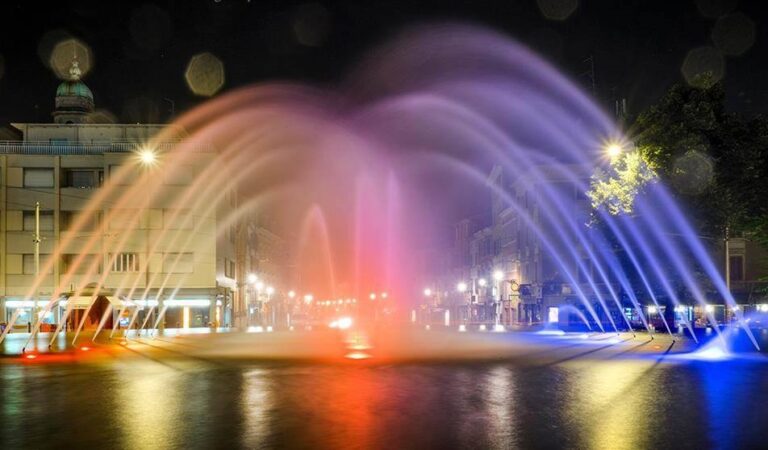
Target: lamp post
(270, 290)
(462, 288)
(482, 282)
(251, 280)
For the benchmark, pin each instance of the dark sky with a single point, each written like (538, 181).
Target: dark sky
(142, 49)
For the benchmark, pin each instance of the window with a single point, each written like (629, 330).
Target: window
(737, 268)
(91, 222)
(83, 178)
(229, 268)
(38, 178)
(123, 175)
(178, 263)
(125, 262)
(28, 260)
(46, 221)
(182, 221)
(68, 263)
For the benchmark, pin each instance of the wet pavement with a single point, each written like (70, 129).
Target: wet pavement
(619, 394)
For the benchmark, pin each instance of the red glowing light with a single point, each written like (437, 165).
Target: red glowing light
(85, 349)
(31, 356)
(358, 355)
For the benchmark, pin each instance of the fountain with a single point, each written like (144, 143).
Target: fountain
(363, 175)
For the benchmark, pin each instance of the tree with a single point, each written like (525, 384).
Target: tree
(714, 160)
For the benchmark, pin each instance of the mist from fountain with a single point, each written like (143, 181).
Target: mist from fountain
(363, 174)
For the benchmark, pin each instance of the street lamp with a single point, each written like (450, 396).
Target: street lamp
(427, 292)
(613, 149)
(147, 156)
(482, 282)
(461, 287)
(372, 296)
(252, 278)
(498, 275)
(291, 294)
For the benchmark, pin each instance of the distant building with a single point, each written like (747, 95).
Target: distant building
(510, 246)
(62, 166)
(534, 281)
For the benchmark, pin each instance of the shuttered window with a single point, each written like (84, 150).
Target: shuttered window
(89, 261)
(38, 178)
(126, 262)
(46, 221)
(28, 261)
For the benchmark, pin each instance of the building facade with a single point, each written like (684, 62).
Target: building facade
(177, 257)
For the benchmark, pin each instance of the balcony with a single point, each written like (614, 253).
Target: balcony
(44, 148)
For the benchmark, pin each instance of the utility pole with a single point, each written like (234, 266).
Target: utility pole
(36, 241)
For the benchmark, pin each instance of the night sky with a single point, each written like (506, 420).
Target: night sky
(141, 49)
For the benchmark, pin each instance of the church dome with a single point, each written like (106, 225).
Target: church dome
(72, 88)
(74, 100)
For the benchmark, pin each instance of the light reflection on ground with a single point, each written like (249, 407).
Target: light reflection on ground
(574, 391)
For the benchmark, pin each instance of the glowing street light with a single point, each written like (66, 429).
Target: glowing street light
(498, 275)
(613, 149)
(372, 296)
(270, 290)
(259, 285)
(461, 287)
(291, 294)
(308, 298)
(252, 278)
(482, 282)
(147, 156)
(383, 295)
(427, 292)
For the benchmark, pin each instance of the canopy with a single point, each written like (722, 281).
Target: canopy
(82, 302)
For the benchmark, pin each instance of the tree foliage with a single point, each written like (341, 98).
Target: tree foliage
(715, 161)
(615, 188)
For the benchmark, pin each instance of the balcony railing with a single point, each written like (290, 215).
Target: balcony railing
(90, 148)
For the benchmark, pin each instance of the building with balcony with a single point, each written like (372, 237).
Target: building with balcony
(61, 166)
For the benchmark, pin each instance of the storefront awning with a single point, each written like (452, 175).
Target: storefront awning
(82, 302)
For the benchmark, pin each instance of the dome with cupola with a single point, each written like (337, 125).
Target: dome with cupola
(74, 100)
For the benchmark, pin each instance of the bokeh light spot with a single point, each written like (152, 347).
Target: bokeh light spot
(713, 9)
(693, 172)
(310, 24)
(734, 34)
(65, 52)
(703, 67)
(205, 74)
(557, 9)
